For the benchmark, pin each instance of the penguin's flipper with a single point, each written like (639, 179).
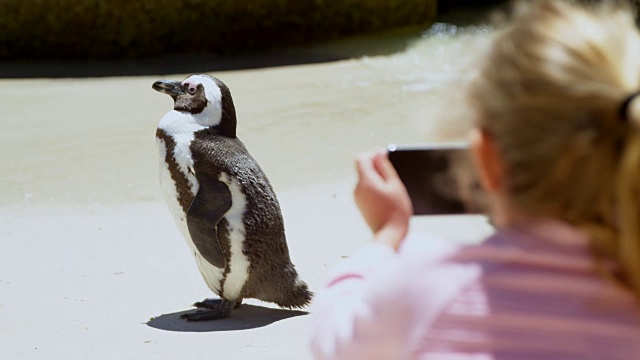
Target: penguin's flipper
(209, 205)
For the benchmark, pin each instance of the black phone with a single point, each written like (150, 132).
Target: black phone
(439, 178)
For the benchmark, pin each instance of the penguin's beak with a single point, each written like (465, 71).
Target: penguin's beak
(171, 88)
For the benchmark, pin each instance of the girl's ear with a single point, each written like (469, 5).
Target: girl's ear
(487, 160)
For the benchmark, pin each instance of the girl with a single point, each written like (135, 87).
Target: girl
(557, 149)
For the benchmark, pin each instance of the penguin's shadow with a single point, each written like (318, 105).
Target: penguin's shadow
(243, 318)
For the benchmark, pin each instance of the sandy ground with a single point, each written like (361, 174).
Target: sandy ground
(92, 265)
(109, 282)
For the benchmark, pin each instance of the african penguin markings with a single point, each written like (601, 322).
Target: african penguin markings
(168, 186)
(211, 274)
(228, 214)
(211, 115)
(182, 131)
(239, 264)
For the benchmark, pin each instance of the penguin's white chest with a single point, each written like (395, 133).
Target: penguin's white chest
(169, 185)
(227, 283)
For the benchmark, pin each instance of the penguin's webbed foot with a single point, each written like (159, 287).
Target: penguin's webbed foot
(210, 309)
(214, 304)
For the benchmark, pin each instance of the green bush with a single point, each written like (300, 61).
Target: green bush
(133, 28)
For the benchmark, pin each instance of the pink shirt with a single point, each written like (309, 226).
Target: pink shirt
(527, 293)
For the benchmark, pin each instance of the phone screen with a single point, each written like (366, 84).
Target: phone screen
(439, 179)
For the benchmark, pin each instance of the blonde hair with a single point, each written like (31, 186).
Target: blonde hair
(549, 92)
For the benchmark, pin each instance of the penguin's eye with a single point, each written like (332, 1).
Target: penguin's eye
(191, 90)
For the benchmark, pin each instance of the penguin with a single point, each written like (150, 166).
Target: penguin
(222, 202)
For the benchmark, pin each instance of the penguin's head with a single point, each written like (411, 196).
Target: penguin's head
(204, 96)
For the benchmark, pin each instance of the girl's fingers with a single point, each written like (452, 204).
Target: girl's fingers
(363, 165)
(367, 169)
(384, 167)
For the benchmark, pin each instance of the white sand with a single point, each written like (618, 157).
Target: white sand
(82, 282)
(89, 252)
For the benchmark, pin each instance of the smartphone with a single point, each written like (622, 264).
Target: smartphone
(439, 178)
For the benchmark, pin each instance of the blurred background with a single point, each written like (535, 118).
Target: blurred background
(314, 83)
(149, 36)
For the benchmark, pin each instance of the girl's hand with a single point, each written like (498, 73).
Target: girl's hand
(382, 199)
